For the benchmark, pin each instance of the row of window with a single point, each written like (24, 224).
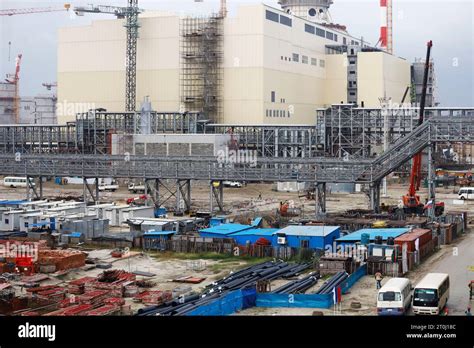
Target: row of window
(305, 60)
(275, 17)
(277, 113)
(327, 34)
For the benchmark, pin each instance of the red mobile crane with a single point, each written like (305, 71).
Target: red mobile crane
(411, 201)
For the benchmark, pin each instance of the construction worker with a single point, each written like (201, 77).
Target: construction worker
(378, 279)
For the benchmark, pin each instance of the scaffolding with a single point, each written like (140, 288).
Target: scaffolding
(201, 66)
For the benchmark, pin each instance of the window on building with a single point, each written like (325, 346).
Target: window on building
(314, 61)
(352, 72)
(285, 21)
(304, 59)
(344, 41)
(288, 113)
(329, 35)
(309, 29)
(335, 37)
(352, 94)
(7, 221)
(281, 57)
(305, 244)
(320, 32)
(296, 57)
(322, 63)
(272, 16)
(352, 61)
(273, 96)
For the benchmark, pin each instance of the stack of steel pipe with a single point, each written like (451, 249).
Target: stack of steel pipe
(299, 286)
(237, 280)
(333, 282)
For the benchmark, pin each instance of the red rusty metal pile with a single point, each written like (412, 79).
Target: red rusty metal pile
(109, 309)
(62, 259)
(94, 298)
(50, 292)
(73, 310)
(77, 287)
(114, 281)
(153, 297)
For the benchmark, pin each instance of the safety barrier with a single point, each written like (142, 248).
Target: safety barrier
(353, 278)
(247, 298)
(295, 300)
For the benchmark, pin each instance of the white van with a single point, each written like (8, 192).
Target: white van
(13, 181)
(466, 193)
(394, 298)
(431, 294)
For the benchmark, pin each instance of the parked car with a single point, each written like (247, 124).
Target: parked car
(235, 184)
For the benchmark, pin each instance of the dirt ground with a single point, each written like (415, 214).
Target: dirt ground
(246, 201)
(251, 199)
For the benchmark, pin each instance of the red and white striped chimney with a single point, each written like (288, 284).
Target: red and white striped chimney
(383, 24)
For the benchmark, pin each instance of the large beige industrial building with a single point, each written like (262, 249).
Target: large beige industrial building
(270, 67)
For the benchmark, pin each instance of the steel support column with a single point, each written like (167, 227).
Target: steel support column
(216, 196)
(184, 195)
(31, 190)
(320, 200)
(375, 196)
(93, 192)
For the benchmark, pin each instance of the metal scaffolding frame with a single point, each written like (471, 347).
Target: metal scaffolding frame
(201, 65)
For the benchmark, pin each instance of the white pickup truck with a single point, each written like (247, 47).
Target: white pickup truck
(136, 188)
(113, 186)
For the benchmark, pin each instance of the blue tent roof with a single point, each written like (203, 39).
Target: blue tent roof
(257, 232)
(385, 233)
(75, 235)
(309, 231)
(226, 229)
(158, 233)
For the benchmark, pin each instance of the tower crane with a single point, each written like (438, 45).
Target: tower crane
(14, 80)
(130, 14)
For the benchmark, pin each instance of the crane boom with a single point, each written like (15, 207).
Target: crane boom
(411, 200)
(22, 11)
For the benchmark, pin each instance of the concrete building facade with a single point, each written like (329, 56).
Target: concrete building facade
(276, 67)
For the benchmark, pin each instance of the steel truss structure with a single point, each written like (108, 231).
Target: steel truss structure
(299, 141)
(317, 170)
(348, 132)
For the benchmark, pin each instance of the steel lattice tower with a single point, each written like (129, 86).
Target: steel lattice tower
(131, 55)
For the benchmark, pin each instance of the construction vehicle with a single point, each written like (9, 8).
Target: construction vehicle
(287, 209)
(138, 201)
(411, 201)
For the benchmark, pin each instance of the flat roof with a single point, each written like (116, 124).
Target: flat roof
(309, 231)
(226, 229)
(257, 232)
(385, 233)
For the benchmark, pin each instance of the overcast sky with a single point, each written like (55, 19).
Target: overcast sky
(448, 23)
